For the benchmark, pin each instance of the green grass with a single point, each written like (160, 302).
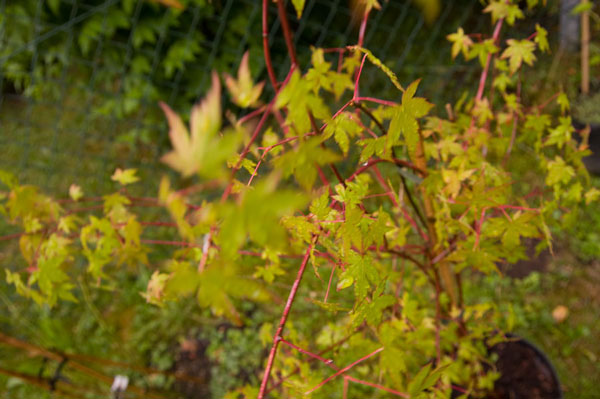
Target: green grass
(55, 145)
(571, 345)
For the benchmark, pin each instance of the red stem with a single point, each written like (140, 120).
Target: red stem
(329, 284)
(548, 101)
(478, 228)
(363, 28)
(266, 51)
(246, 150)
(11, 236)
(313, 355)
(372, 162)
(257, 130)
(284, 316)
(342, 371)
(251, 115)
(376, 100)
(287, 34)
(171, 243)
(345, 392)
(488, 61)
(347, 378)
(362, 64)
(371, 384)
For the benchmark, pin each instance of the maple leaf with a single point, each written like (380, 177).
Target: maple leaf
(482, 50)
(299, 6)
(519, 51)
(501, 9)
(202, 149)
(364, 6)
(559, 172)
(460, 43)
(155, 289)
(244, 92)
(360, 272)
(541, 38)
(75, 192)
(124, 177)
(592, 195)
(563, 102)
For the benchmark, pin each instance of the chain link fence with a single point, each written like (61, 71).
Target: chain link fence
(80, 80)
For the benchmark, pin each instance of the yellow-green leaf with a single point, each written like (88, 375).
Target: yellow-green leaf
(299, 6)
(75, 192)
(519, 51)
(460, 43)
(202, 149)
(541, 38)
(244, 92)
(124, 177)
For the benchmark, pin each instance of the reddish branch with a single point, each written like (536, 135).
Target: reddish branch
(347, 378)
(335, 171)
(246, 150)
(283, 320)
(362, 64)
(333, 267)
(488, 61)
(266, 51)
(11, 236)
(396, 161)
(342, 371)
(363, 28)
(376, 100)
(370, 115)
(287, 34)
(59, 357)
(251, 115)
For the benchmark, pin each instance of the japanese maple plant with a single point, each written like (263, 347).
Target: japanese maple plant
(366, 213)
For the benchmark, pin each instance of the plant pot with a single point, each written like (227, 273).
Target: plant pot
(592, 162)
(525, 372)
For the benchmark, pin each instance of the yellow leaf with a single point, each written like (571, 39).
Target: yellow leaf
(170, 3)
(244, 93)
(190, 150)
(124, 177)
(75, 192)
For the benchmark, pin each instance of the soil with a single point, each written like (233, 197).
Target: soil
(534, 263)
(591, 162)
(192, 360)
(525, 373)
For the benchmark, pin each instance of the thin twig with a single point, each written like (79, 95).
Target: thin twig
(413, 202)
(488, 61)
(282, 321)
(287, 34)
(266, 50)
(347, 378)
(370, 115)
(342, 371)
(335, 171)
(399, 162)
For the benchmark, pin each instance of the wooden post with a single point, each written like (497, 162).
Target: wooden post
(585, 52)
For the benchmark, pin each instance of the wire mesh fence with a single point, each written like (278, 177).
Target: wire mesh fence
(80, 80)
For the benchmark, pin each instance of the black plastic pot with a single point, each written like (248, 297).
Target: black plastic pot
(592, 162)
(525, 372)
